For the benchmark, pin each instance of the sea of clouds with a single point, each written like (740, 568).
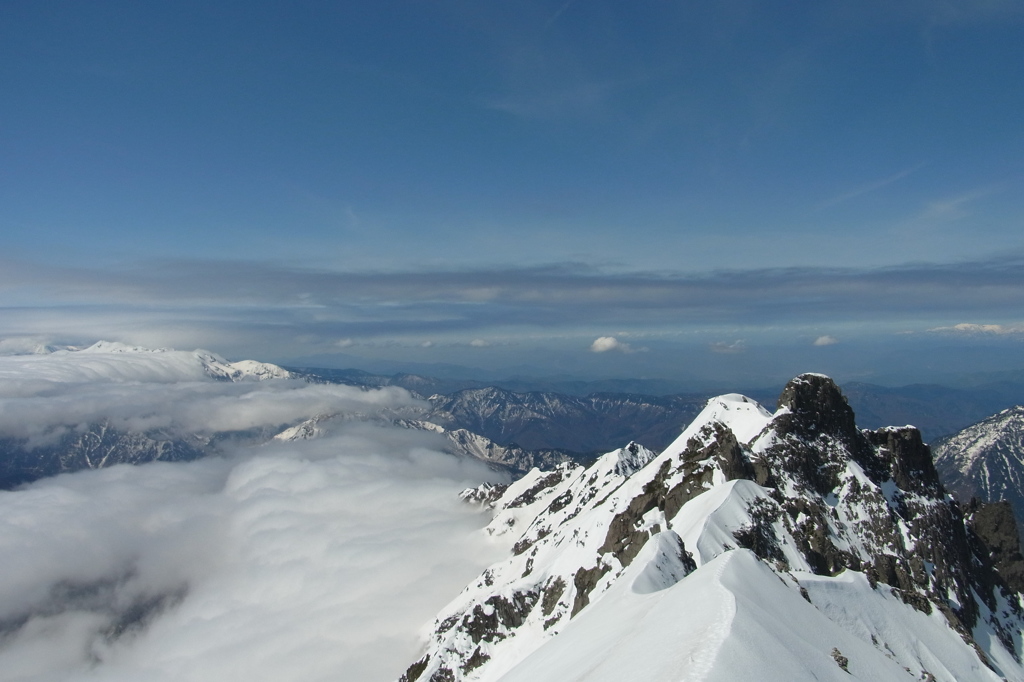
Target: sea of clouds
(309, 560)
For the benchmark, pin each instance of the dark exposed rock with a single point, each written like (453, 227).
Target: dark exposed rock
(521, 546)
(842, 661)
(560, 502)
(909, 460)
(815, 427)
(414, 671)
(443, 674)
(996, 528)
(490, 621)
(484, 494)
(585, 582)
(475, 661)
(530, 496)
(759, 536)
(624, 540)
(552, 593)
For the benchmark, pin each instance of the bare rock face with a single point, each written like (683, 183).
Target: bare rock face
(814, 494)
(995, 527)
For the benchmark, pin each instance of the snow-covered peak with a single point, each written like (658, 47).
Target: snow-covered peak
(306, 430)
(261, 371)
(743, 416)
(118, 347)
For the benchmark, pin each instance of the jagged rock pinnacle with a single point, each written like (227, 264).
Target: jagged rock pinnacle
(818, 406)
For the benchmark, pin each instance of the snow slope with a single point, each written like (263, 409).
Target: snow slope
(735, 620)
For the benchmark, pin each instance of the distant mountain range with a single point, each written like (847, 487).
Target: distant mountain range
(935, 410)
(513, 425)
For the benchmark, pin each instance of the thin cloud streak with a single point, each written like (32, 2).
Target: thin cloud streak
(955, 207)
(870, 187)
(217, 303)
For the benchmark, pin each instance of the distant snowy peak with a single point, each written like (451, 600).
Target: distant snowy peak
(978, 441)
(986, 460)
(639, 566)
(118, 347)
(260, 371)
(309, 429)
(212, 364)
(180, 364)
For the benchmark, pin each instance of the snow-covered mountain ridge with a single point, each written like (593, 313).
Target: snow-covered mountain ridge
(115, 361)
(882, 574)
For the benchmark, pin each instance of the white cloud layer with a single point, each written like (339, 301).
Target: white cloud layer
(310, 560)
(41, 395)
(316, 560)
(271, 311)
(826, 340)
(972, 328)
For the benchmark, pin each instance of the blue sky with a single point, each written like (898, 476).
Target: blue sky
(738, 190)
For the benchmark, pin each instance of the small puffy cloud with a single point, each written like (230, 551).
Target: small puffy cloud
(479, 343)
(427, 344)
(609, 343)
(344, 343)
(737, 346)
(971, 328)
(826, 340)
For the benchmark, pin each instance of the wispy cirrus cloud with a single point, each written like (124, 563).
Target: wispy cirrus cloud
(956, 206)
(870, 187)
(729, 347)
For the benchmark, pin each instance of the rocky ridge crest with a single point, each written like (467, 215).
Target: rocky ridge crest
(804, 490)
